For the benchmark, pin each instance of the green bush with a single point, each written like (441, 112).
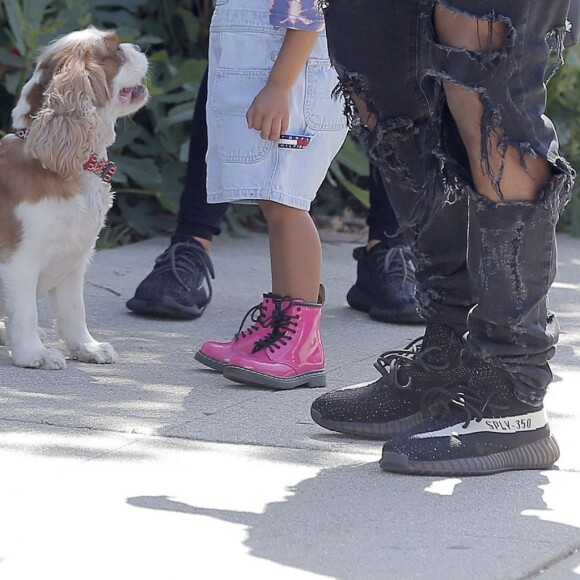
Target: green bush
(151, 148)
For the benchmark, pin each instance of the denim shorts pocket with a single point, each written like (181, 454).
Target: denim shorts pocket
(233, 93)
(322, 113)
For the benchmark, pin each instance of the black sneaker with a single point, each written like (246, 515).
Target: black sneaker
(176, 288)
(385, 284)
(393, 403)
(476, 429)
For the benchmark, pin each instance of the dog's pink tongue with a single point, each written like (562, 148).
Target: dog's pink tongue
(125, 94)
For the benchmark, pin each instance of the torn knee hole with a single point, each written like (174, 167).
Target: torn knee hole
(465, 31)
(368, 119)
(357, 101)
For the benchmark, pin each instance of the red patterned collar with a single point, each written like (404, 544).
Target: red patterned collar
(102, 168)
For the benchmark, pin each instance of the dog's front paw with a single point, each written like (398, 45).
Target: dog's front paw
(101, 353)
(45, 358)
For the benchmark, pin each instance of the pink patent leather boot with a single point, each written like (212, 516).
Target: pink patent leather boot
(217, 355)
(290, 356)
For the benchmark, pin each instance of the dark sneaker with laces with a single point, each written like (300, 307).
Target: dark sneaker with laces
(474, 429)
(393, 403)
(179, 285)
(385, 284)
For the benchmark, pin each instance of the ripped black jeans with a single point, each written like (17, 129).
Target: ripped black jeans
(483, 266)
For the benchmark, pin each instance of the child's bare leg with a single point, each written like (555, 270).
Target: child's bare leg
(295, 251)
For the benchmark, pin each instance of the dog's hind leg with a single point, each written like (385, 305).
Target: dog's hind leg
(19, 289)
(68, 307)
(3, 331)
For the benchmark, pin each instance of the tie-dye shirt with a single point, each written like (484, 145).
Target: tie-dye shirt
(296, 14)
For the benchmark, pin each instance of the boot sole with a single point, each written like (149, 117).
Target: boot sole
(370, 430)
(540, 454)
(248, 377)
(396, 316)
(208, 361)
(364, 302)
(164, 308)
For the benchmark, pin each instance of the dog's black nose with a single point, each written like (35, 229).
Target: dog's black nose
(138, 91)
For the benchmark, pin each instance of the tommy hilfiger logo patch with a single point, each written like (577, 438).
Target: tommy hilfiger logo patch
(293, 141)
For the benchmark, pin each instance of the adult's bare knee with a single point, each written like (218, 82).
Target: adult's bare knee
(459, 30)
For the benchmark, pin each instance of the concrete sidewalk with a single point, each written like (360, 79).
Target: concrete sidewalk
(157, 468)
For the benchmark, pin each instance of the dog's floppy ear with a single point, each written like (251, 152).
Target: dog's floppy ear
(64, 132)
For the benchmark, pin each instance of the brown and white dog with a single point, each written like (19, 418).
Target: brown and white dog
(55, 190)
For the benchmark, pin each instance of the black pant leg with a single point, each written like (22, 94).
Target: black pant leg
(197, 217)
(381, 218)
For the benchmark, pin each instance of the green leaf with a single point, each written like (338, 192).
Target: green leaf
(362, 195)
(144, 217)
(354, 158)
(141, 171)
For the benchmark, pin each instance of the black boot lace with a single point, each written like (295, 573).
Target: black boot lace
(257, 315)
(460, 398)
(395, 262)
(186, 258)
(283, 326)
(413, 355)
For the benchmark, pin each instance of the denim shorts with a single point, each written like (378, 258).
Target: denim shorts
(241, 166)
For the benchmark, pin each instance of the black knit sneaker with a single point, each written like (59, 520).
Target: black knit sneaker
(393, 403)
(476, 429)
(176, 288)
(385, 284)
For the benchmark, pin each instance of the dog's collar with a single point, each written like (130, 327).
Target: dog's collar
(100, 166)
